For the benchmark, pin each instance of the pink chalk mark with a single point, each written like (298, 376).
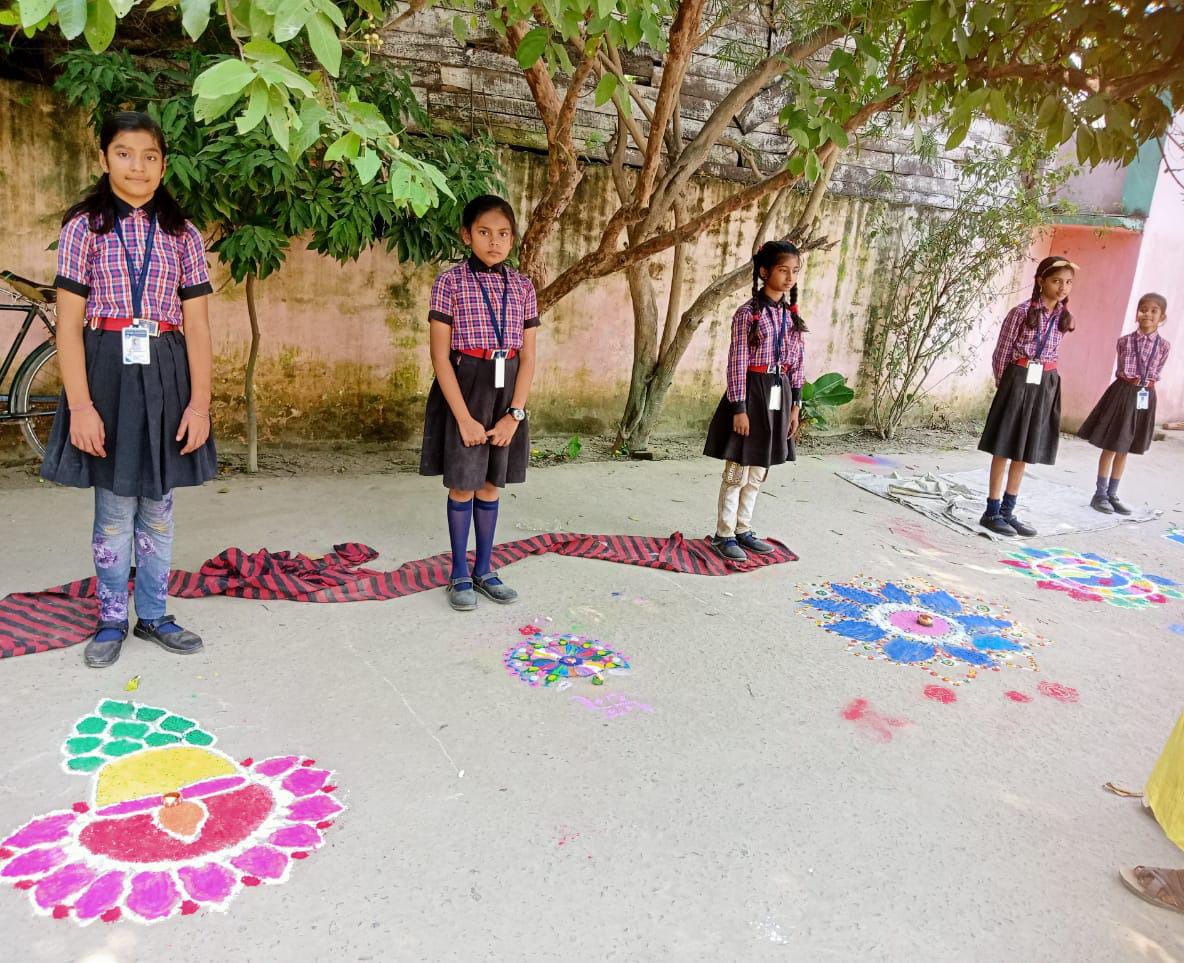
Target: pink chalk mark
(1017, 696)
(153, 895)
(210, 883)
(262, 861)
(907, 620)
(939, 693)
(276, 766)
(1054, 690)
(304, 782)
(34, 862)
(566, 836)
(872, 723)
(47, 829)
(103, 894)
(63, 883)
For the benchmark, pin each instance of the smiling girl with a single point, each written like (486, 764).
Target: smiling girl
(133, 339)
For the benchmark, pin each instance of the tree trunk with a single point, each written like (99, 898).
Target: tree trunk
(645, 353)
(249, 384)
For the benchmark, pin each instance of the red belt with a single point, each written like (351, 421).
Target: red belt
(487, 353)
(1135, 381)
(1048, 365)
(768, 368)
(118, 324)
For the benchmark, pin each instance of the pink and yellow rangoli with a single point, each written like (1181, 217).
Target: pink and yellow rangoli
(171, 826)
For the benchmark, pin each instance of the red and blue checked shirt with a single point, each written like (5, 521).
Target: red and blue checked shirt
(1151, 348)
(1017, 340)
(741, 355)
(457, 301)
(93, 266)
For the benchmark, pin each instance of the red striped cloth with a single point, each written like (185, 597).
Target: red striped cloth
(66, 615)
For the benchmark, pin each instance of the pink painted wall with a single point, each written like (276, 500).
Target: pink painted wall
(1107, 260)
(1161, 268)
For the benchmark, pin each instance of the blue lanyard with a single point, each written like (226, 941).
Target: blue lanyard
(137, 281)
(1052, 318)
(1144, 365)
(780, 337)
(498, 332)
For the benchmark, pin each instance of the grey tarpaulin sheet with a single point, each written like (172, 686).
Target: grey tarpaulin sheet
(957, 500)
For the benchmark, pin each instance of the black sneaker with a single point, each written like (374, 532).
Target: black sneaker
(166, 633)
(1100, 503)
(728, 548)
(754, 543)
(1118, 506)
(996, 524)
(102, 652)
(1020, 528)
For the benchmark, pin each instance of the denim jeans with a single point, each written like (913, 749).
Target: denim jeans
(123, 525)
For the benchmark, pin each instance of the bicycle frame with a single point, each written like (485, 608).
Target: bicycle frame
(30, 312)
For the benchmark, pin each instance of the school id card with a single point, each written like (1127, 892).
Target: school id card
(775, 398)
(136, 349)
(1143, 400)
(1035, 373)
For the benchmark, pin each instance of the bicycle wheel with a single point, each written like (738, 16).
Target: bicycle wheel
(36, 392)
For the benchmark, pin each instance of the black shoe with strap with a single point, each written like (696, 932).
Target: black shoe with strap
(728, 548)
(997, 524)
(166, 633)
(1118, 506)
(103, 650)
(752, 542)
(1020, 528)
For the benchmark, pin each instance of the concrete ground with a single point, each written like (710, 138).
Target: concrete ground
(744, 818)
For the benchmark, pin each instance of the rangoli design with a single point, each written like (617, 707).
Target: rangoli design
(1089, 577)
(544, 659)
(172, 825)
(916, 623)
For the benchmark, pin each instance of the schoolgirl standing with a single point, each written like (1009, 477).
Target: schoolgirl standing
(756, 422)
(133, 341)
(1123, 420)
(483, 319)
(1024, 423)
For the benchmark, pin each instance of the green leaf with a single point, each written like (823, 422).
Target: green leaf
(813, 169)
(460, 29)
(325, 43)
(312, 115)
(208, 109)
(255, 109)
(957, 135)
(71, 17)
(368, 164)
(277, 116)
(224, 78)
(290, 18)
(264, 51)
(280, 76)
(632, 29)
(122, 7)
(333, 12)
(195, 17)
(604, 8)
(605, 89)
(100, 25)
(372, 7)
(531, 47)
(34, 11)
(345, 147)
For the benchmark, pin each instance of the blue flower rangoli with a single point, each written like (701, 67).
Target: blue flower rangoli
(915, 623)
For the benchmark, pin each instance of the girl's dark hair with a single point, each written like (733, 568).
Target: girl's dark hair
(1046, 267)
(483, 205)
(98, 203)
(1154, 299)
(771, 254)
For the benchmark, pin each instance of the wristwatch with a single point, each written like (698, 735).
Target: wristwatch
(518, 414)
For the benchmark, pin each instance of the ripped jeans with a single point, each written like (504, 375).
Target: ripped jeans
(125, 524)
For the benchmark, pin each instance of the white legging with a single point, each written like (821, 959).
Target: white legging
(737, 498)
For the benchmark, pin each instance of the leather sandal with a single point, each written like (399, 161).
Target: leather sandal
(461, 594)
(177, 640)
(494, 589)
(1160, 887)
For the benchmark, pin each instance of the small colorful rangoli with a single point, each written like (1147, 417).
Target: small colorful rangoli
(916, 623)
(1088, 577)
(172, 825)
(557, 660)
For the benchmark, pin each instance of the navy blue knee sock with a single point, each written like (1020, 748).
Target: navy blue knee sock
(485, 523)
(1007, 508)
(460, 515)
(992, 507)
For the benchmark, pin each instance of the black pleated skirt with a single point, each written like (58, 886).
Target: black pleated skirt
(1116, 424)
(1024, 423)
(768, 441)
(443, 452)
(141, 407)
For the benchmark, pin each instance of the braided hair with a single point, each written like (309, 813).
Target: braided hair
(1046, 267)
(770, 254)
